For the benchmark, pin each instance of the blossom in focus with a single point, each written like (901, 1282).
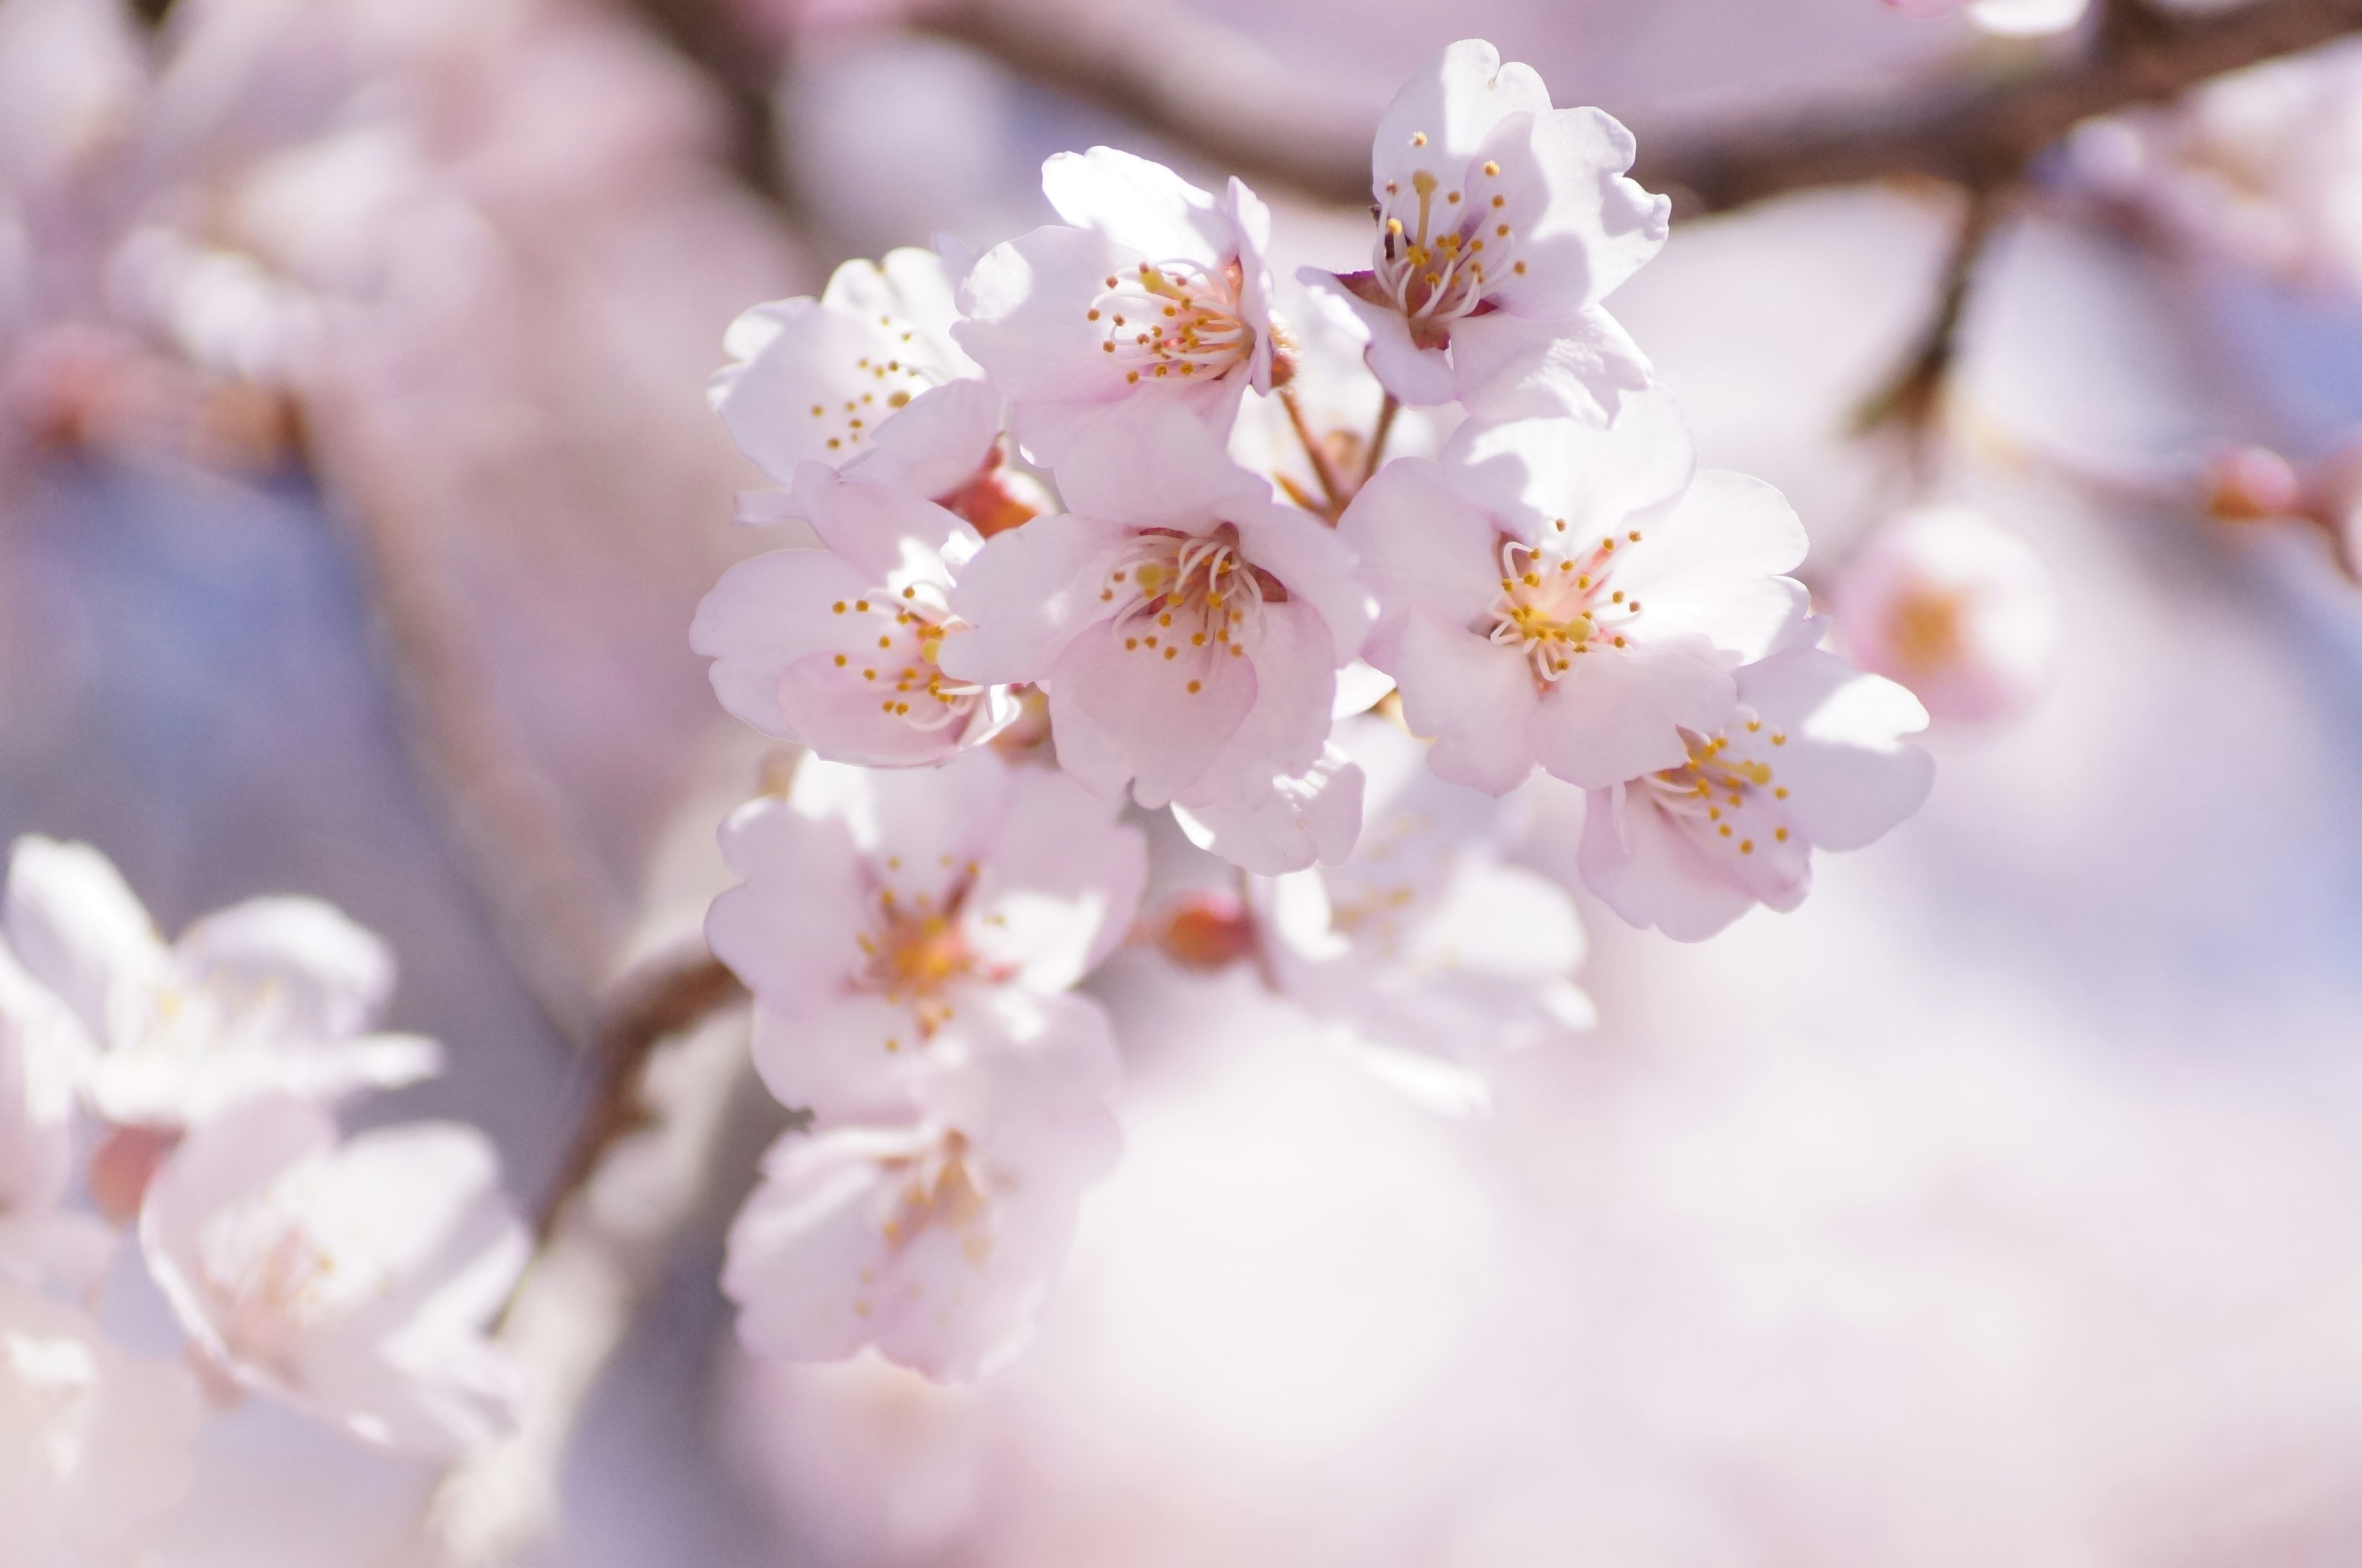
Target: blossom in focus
(1187, 627)
(1503, 224)
(352, 1280)
(935, 1238)
(42, 1054)
(899, 926)
(1552, 591)
(1954, 607)
(869, 378)
(1814, 759)
(93, 1443)
(1425, 942)
(274, 995)
(839, 647)
(1156, 290)
(2009, 18)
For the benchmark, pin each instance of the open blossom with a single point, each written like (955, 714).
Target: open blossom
(839, 647)
(1552, 591)
(1188, 628)
(866, 378)
(1814, 759)
(1956, 608)
(935, 1238)
(1424, 941)
(352, 1280)
(1502, 225)
(1156, 289)
(93, 1443)
(898, 926)
(271, 995)
(42, 1055)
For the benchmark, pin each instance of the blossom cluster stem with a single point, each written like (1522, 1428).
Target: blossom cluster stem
(1333, 489)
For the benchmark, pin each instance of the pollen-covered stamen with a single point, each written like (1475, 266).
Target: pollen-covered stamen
(916, 953)
(1439, 249)
(936, 1191)
(911, 623)
(1728, 789)
(1174, 319)
(896, 369)
(1180, 595)
(1558, 602)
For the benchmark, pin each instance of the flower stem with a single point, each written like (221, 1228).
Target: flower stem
(1385, 428)
(1332, 488)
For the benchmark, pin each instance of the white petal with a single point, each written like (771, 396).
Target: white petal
(1143, 206)
(1617, 713)
(1441, 116)
(1315, 564)
(1649, 871)
(1026, 596)
(1513, 366)
(1060, 883)
(1849, 775)
(789, 929)
(764, 615)
(325, 973)
(805, 373)
(1313, 817)
(1421, 544)
(1581, 227)
(1475, 699)
(78, 928)
(1599, 481)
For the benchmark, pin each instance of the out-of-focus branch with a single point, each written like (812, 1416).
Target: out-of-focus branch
(1911, 396)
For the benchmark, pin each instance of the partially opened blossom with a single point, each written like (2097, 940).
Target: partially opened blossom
(352, 1280)
(1188, 628)
(94, 1442)
(839, 647)
(43, 1053)
(1814, 759)
(1424, 942)
(895, 926)
(1151, 288)
(934, 1239)
(266, 997)
(866, 378)
(1552, 591)
(1956, 608)
(274, 995)
(1503, 224)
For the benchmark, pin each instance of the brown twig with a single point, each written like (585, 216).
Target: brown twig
(1385, 428)
(1911, 396)
(1332, 484)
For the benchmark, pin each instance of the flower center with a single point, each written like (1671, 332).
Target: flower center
(1557, 601)
(1925, 627)
(1726, 789)
(896, 369)
(1176, 593)
(913, 624)
(939, 1192)
(915, 954)
(1174, 318)
(1436, 248)
(272, 1277)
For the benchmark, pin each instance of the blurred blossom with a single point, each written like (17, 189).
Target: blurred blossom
(1956, 608)
(43, 1054)
(2009, 18)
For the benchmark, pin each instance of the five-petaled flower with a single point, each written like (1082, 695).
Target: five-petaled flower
(1502, 225)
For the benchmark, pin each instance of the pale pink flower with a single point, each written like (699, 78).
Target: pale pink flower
(896, 926)
(1956, 608)
(1813, 758)
(1553, 591)
(867, 378)
(93, 1443)
(935, 1241)
(839, 647)
(43, 1053)
(1187, 627)
(1502, 225)
(274, 995)
(352, 1280)
(1314, 816)
(1156, 290)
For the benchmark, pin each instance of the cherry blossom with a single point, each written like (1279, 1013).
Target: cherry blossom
(839, 647)
(1813, 758)
(1954, 607)
(2008, 19)
(1502, 225)
(1553, 591)
(1314, 816)
(934, 1240)
(867, 378)
(1187, 627)
(42, 1055)
(94, 1442)
(352, 1280)
(895, 926)
(1424, 943)
(1151, 288)
(271, 995)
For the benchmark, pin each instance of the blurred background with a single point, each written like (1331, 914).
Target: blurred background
(2001, 1206)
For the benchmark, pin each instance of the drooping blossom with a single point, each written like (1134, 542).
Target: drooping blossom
(867, 378)
(898, 926)
(352, 1280)
(1188, 628)
(274, 995)
(1953, 606)
(1151, 288)
(1425, 947)
(1814, 759)
(43, 1053)
(94, 1442)
(1503, 224)
(839, 647)
(937, 1238)
(1552, 591)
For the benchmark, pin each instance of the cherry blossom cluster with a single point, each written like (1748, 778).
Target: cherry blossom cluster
(179, 1097)
(1109, 522)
